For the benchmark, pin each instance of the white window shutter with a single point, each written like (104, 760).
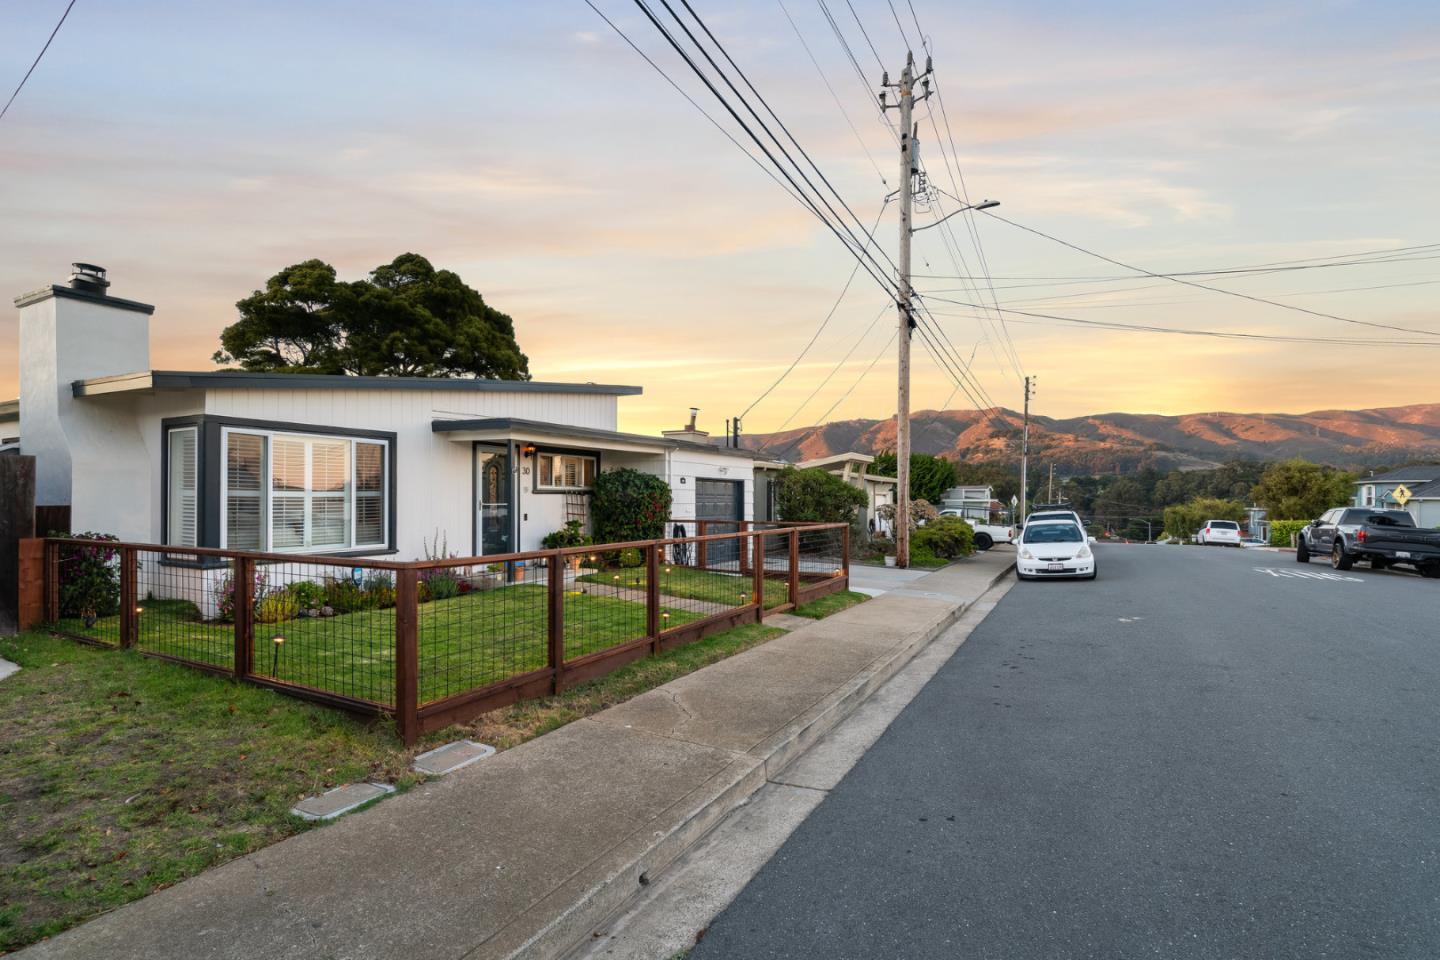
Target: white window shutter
(184, 505)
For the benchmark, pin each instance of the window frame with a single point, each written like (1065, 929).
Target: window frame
(213, 468)
(308, 494)
(168, 487)
(559, 454)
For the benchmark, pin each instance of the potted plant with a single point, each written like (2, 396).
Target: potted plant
(571, 535)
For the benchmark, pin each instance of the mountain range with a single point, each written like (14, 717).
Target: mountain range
(1128, 442)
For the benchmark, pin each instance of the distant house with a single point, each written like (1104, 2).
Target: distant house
(334, 465)
(976, 503)
(1423, 482)
(851, 467)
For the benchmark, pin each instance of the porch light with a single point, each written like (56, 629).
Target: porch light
(528, 450)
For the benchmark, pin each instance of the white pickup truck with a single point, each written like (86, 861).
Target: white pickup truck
(986, 534)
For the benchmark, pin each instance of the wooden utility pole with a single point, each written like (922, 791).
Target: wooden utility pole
(1025, 458)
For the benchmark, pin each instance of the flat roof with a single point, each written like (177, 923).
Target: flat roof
(147, 381)
(1415, 473)
(70, 293)
(505, 427)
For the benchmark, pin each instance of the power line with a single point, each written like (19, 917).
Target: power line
(1223, 334)
(819, 330)
(833, 96)
(1168, 303)
(1203, 286)
(865, 34)
(691, 100)
(846, 394)
(21, 86)
(855, 65)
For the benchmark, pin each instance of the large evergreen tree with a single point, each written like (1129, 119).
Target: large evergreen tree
(405, 319)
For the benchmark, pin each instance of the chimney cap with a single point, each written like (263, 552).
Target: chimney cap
(89, 277)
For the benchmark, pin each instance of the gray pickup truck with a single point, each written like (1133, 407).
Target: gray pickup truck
(1380, 537)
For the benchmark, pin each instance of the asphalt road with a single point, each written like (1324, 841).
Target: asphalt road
(1190, 757)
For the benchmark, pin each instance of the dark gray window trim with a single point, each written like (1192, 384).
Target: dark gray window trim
(535, 487)
(209, 470)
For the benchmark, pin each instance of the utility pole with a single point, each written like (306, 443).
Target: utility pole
(1050, 490)
(1025, 458)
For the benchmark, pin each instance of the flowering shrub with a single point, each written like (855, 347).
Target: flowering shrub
(629, 505)
(89, 578)
(225, 595)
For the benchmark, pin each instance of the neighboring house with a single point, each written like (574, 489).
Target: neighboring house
(974, 503)
(1423, 482)
(851, 467)
(335, 465)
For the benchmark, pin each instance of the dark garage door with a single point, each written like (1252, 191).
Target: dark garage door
(720, 500)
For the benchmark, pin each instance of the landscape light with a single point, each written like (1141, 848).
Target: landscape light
(278, 642)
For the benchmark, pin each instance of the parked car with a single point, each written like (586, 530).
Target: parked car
(986, 534)
(1055, 548)
(1224, 532)
(1054, 513)
(1380, 537)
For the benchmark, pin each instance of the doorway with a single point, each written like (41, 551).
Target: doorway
(492, 499)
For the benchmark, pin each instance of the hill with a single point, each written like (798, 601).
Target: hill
(1127, 442)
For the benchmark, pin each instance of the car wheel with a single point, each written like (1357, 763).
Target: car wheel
(1339, 559)
(1302, 551)
(983, 541)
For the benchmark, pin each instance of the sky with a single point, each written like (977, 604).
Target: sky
(194, 150)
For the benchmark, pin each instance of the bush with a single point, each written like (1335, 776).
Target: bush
(89, 578)
(629, 505)
(945, 537)
(225, 595)
(571, 535)
(816, 495)
(631, 557)
(343, 596)
(1282, 530)
(307, 593)
(379, 591)
(438, 585)
(920, 510)
(277, 607)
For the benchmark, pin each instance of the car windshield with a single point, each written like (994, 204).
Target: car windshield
(1053, 533)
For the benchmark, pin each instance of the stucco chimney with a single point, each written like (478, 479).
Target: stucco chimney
(70, 332)
(690, 432)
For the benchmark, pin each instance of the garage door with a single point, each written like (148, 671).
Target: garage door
(720, 500)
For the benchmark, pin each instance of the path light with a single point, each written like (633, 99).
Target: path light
(839, 572)
(665, 617)
(277, 641)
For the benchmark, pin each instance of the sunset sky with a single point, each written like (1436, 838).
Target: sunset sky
(196, 149)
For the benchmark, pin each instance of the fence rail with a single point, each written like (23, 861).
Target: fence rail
(429, 642)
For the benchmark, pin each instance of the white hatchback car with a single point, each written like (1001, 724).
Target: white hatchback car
(1224, 532)
(1054, 548)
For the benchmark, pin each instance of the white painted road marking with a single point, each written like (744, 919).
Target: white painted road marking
(1307, 574)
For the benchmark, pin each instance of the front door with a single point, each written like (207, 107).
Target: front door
(492, 494)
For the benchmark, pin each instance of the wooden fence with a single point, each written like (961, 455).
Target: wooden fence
(429, 642)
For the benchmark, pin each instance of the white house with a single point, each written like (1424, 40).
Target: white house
(342, 466)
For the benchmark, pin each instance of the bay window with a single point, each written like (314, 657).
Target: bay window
(288, 492)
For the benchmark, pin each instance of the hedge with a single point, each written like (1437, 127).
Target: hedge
(1282, 530)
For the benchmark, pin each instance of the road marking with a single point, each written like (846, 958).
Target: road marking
(1130, 619)
(1307, 575)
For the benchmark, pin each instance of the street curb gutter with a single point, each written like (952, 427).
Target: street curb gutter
(607, 885)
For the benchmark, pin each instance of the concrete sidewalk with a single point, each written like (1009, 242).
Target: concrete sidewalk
(521, 854)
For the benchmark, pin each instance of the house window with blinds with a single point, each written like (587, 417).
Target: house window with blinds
(183, 507)
(559, 471)
(294, 493)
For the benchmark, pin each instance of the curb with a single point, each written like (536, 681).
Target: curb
(633, 863)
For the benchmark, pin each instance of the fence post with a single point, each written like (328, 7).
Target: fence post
(129, 598)
(52, 581)
(795, 566)
(702, 560)
(757, 569)
(555, 622)
(652, 595)
(740, 548)
(407, 654)
(845, 554)
(30, 607)
(242, 577)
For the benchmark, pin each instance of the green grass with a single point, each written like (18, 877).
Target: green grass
(830, 604)
(465, 642)
(121, 775)
(691, 584)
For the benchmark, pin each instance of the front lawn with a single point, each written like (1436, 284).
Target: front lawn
(690, 584)
(830, 603)
(465, 642)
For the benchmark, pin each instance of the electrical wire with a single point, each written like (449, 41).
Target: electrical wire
(864, 33)
(1204, 286)
(843, 397)
(6, 109)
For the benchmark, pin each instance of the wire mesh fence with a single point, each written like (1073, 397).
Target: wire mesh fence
(417, 639)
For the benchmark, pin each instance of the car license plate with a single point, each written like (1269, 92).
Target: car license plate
(1402, 555)
(1055, 567)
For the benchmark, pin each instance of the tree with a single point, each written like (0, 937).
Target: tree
(405, 319)
(1300, 490)
(930, 476)
(1182, 520)
(815, 494)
